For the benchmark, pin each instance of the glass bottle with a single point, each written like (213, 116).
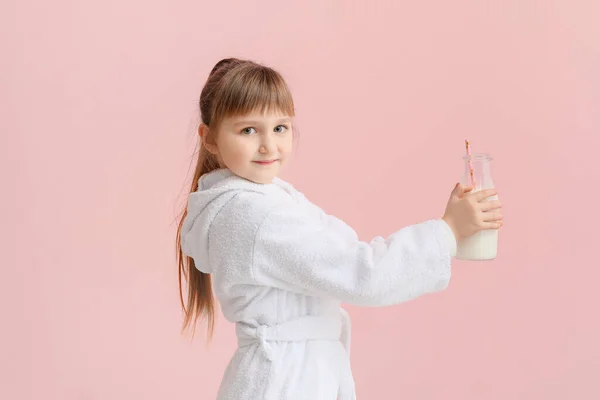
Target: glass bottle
(484, 244)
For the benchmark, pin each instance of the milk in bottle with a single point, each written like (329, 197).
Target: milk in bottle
(484, 244)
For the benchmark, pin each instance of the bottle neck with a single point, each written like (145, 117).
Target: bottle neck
(483, 166)
(482, 173)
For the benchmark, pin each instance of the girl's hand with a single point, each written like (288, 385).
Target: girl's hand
(468, 213)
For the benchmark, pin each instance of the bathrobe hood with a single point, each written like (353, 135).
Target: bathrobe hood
(215, 190)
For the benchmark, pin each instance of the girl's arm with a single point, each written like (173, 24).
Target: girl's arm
(323, 256)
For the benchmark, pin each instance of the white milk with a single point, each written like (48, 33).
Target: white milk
(481, 246)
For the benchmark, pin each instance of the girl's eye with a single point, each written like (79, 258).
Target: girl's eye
(245, 131)
(282, 126)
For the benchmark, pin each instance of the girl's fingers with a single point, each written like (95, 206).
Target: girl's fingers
(484, 194)
(492, 225)
(460, 190)
(492, 216)
(491, 205)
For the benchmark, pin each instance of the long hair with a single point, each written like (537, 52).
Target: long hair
(234, 87)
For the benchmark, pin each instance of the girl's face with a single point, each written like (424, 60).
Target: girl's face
(254, 146)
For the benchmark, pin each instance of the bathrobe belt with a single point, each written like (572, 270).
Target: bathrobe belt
(301, 329)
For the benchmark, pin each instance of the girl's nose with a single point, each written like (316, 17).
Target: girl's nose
(267, 146)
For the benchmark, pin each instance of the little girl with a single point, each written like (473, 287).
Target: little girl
(279, 265)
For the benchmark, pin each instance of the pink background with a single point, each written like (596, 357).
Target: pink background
(98, 113)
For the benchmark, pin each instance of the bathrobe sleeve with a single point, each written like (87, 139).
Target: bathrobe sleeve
(322, 256)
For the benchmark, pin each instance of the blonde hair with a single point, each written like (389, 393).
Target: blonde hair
(234, 87)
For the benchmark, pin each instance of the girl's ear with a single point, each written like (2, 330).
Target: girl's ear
(207, 140)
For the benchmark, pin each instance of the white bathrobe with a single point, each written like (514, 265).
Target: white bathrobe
(281, 268)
